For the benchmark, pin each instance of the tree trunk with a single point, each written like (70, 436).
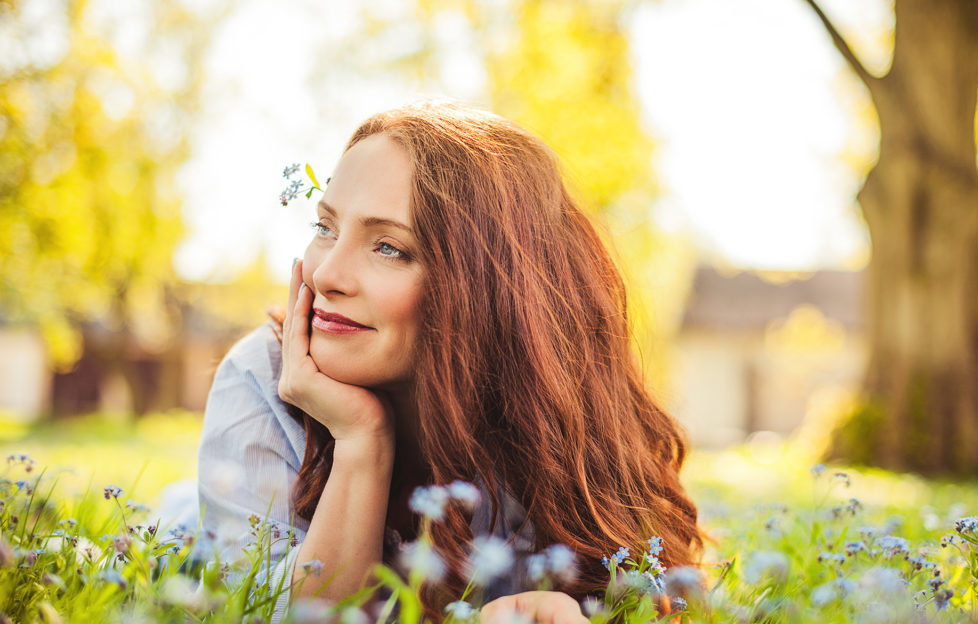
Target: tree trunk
(921, 205)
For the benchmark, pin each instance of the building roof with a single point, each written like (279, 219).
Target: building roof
(750, 300)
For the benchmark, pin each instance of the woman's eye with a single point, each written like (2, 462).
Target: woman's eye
(322, 229)
(386, 249)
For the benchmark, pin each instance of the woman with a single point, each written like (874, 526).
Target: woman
(455, 316)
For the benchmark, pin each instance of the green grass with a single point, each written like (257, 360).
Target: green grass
(775, 532)
(141, 456)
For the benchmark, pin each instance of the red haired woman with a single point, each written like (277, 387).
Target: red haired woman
(455, 317)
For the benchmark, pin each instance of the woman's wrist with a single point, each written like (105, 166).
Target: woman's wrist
(365, 451)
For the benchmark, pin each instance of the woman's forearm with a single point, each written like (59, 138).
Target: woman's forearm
(346, 533)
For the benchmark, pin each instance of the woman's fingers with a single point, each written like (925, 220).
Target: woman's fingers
(298, 333)
(294, 284)
(296, 369)
(543, 607)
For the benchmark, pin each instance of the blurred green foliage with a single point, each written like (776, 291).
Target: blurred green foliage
(90, 143)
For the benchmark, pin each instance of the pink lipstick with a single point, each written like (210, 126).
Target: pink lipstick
(333, 323)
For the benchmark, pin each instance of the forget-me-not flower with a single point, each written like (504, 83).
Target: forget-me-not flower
(491, 557)
(465, 493)
(892, 545)
(420, 558)
(429, 501)
(460, 610)
(966, 525)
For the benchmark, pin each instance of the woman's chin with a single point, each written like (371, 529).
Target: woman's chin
(357, 368)
(340, 368)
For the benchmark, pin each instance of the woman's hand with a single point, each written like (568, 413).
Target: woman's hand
(542, 607)
(349, 412)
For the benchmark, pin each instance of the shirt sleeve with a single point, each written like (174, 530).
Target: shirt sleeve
(248, 462)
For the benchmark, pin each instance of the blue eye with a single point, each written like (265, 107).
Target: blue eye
(321, 228)
(388, 250)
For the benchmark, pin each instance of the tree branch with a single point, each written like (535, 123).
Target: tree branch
(868, 79)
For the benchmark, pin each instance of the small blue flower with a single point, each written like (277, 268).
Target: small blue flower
(684, 580)
(818, 469)
(136, 507)
(655, 545)
(655, 566)
(557, 561)
(919, 563)
(314, 567)
(966, 525)
(621, 555)
(832, 558)
(429, 501)
(536, 567)
(290, 170)
(941, 598)
(869, 532)
(420, 558)
(845, 586)
(854, 548)
(460, 610)
(490, 558)
(562, 562)
(465, 493)
(677, 604)
(892, 545)
(657, 583)
(616, 558)
(823, 594)
(112, 491)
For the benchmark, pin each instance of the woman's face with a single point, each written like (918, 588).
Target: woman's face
(361, 266)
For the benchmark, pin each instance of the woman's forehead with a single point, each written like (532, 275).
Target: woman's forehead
(374, 178)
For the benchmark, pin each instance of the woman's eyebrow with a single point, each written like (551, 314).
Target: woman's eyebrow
(374, 221)
(369, 221)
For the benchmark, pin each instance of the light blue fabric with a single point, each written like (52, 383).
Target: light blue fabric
(250, 453)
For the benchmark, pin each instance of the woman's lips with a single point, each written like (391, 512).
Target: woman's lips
(333, 323)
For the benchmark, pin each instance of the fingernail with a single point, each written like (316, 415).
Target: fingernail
(294, 260)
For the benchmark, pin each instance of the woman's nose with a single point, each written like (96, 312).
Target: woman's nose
(336, 273)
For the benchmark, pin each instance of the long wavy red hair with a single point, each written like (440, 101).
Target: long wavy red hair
(525, 375)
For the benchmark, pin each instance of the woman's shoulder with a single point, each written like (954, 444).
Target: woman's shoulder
(256, 357)
(245, 384)
(258, 350)
(243, 407)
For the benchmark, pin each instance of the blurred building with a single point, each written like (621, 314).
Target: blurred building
(760, 351)
(25, 381)
(122, 373)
